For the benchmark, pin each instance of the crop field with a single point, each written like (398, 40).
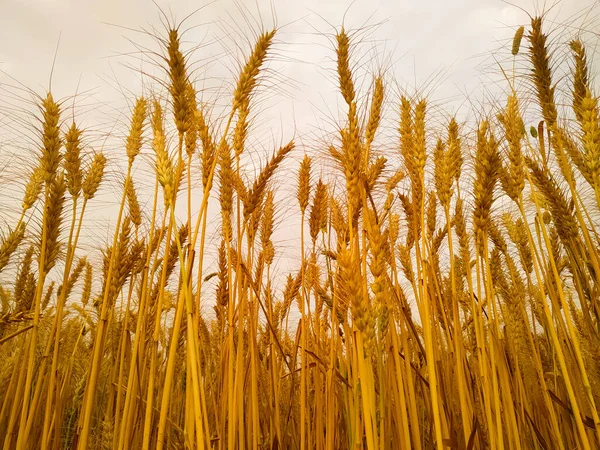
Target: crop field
(444, 290)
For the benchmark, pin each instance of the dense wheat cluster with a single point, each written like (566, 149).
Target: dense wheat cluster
(446, 293)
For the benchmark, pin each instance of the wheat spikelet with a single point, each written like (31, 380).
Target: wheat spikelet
(431, 214)
(351, 159)
(513, 179)
(178, 87)
(253, 222)
(72, 158)
(173, 256)
(130, 262)
(318, 214)
(255, 195)
(406, 262)
(560, 209)
(54, 217)
(412, 149)
(208, 146)
(335, 154)
(5, 299)
(566, 144)
(135, 213)
(248, 77)
(87, 285)
(375, 112)
(26, 300)
(10, 243)
(442, 174)
(590, 127)
(497, 272)
(303, 191)
(394, 228)
(241, 128)
(48, 295)
(222, 292)
(240, 189)
(22, 276)
(454, 150)
(497, 237)
(18, 317)
(436, 241)
(266, 228)
(416, 153)
(343, 66)
(373, 173)
(460, 226)
(351, 291)
(580, 76)
(312, 272)
(389, 201)
(516, 324)
(51, 142)
(420, 149)
(73, 277)
(377, 266)
(339, 221)
(325, 299)
(518, 236)
(414, 225)
(290, 292)
(392, 182)
(33, 188)
(122, 261)
(516, 43)
(139, 247)
(93, 178)
(226, 182)
(542, 74)
(133, 145)
(105, 432)
(560, 143)
(163, 164)
(487, 163)
(191, 135)
(406, 132)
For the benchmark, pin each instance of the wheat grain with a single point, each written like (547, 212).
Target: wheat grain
(133, 144)
(51, 141)
(73, 174)
(542, 74)
(10, 243)
(54, 217)
(93, 177)
(516, 43)
(343, 67)
(179, 87)
(248, 77)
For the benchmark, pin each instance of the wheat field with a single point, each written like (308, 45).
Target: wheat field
(445, 294)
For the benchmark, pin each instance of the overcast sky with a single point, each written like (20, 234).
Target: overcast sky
(443, 47)
(424, 35)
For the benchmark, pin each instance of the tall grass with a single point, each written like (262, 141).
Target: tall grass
(446, 295)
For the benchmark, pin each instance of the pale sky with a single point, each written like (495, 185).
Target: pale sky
(444, 48)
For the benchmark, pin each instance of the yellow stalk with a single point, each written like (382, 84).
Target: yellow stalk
(555, 340)
(99, 341)
(32, 343)
(72, 246)
(131, 379)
